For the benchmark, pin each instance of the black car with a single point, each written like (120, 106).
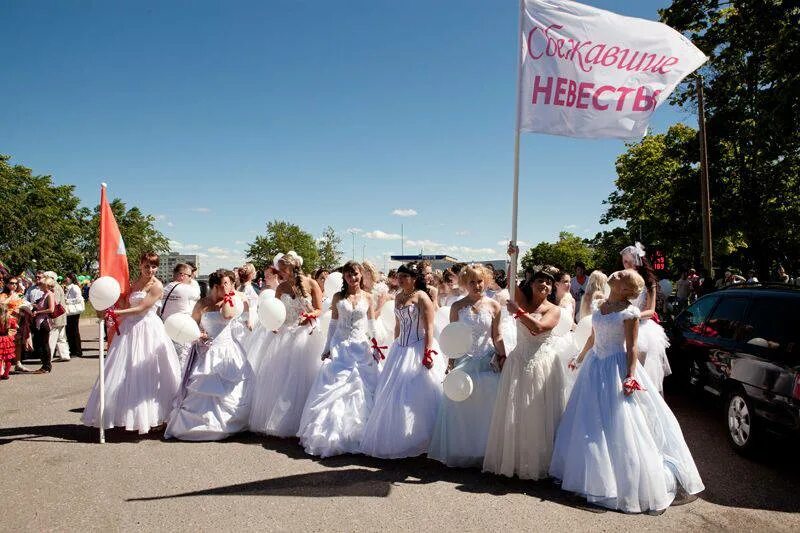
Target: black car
(742, 344)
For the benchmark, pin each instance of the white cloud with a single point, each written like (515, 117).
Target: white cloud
(571, 226)
(175, 244)
(355, 230)
(160, 217)
(462, 233)
(424, 243)
(404, 213)
(170, 224)
(382, 235)
(200, 209)
(521, 244)
(217, 250)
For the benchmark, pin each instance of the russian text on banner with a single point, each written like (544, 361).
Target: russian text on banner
(592, 73)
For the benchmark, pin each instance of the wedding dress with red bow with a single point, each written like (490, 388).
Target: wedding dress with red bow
(342, 396)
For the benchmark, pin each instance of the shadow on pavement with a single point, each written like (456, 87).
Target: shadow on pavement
(72, 433)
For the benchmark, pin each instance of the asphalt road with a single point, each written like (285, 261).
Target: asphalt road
(54, 476)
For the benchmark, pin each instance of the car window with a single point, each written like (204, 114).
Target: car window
(774, 323)
(726, 319)
(694, 315)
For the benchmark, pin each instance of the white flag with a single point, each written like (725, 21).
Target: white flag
(592, 73)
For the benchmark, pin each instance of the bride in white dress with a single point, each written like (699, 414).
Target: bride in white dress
(142, 371)
(291, 362)
(410, 388)
(257, 343)
(462, 429)
(214, 400)
(343, 394)
(530, 399)
(653, 341)
(619, 445)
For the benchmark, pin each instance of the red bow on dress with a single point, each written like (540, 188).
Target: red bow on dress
(228, 298)
(519, 313)
(112, 319)
(427, 359)
(309, 319)
(377, 351)
(630, 385)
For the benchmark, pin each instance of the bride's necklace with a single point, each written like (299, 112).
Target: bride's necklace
(404, 296)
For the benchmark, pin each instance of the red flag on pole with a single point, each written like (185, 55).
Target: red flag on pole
(113, 259)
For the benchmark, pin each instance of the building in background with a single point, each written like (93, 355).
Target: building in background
(168, 262)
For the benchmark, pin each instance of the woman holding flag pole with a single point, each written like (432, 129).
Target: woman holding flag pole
(142, 373)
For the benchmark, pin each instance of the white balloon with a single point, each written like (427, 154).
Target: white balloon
(441, 319)
(266, 294)
(455, 339)
(272, 313)
(324, 321)
(582, 332)
(104, 293)
(182, 328)
(387, 315)
(564, 324)
(458, 385)
(333, 284)
(238, 305)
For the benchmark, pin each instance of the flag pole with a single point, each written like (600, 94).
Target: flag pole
(101, 350)
(512, 271)
(102, 384)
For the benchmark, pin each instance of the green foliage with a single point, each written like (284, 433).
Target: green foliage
(657, 197)
(137, 229)
(42, 226)
(329, 247)
(563, 253)
(751, 85)
(38, 221)
(281, 237)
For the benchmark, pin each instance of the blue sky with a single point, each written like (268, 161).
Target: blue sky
(219, 116)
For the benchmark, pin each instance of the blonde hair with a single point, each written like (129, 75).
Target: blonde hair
(249, 271)
(597, 285)
(632, 280)
(474, 271)
(371, 270)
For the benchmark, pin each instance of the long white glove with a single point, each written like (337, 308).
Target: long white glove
(331, 330)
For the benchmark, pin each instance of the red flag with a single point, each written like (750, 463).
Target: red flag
(113, 260)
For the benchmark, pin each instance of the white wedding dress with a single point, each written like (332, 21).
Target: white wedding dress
(462, 429)
(142, 375)
(625, 453)
(653, 344)
(214, 400)
(342, 396)
(286, 372)
(408, 394)
(530, 401)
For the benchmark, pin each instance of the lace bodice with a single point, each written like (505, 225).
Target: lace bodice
(411, 327)
(294, 308)
(352, 320)
(481, 325)
(609, 330)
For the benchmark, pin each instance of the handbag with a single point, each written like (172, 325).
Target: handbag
(75, 308)
(58, 310)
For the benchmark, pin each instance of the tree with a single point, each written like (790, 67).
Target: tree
(751, 86)
(138, 232)
(329, 247)
(282, 236)
(563, 253)
(658, 199)
(38, 222)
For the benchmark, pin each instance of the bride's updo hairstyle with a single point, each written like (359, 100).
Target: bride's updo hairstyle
(350, 267)
(472, 272)
(215, 278)
(546, 272)
(414, 270)
(294, 261)
(632, 282)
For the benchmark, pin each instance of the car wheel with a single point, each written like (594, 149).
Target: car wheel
(740, 418)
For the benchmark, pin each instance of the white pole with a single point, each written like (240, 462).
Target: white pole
(102, 384)
(512, 271)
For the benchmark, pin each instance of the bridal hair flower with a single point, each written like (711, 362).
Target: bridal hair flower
(636, 252)
(294, 255)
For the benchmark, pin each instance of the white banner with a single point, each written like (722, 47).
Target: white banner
(592, 73)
